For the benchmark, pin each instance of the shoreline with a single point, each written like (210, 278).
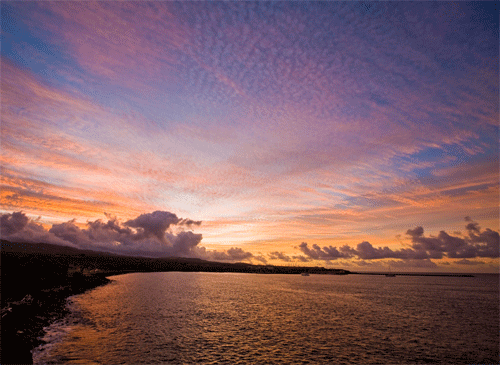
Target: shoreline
(37, 279)
(23, 321)
(457, 275)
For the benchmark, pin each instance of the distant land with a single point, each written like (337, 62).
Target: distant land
(37, 278)
(67, 260)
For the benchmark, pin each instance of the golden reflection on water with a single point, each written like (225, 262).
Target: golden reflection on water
(230, 318)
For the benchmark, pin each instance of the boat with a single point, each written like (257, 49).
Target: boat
(390, 274)
(305, 274)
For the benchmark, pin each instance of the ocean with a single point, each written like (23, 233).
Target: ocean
(226, 318)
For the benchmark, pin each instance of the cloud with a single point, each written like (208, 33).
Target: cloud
(468, 262)
(307, 116)
(422, 264)
(366, 251)
(149, 234)
(363, 251)
(13, 223)
(486, 243)
(231, 254)
(153, 234)
(18, 227)
(477, 244)
(189, 222)
(70, 232)
(261, 259)
(155, 223)
(107, 40)
(472, 227)
(364, 263)
(236, 253)
(294, 258)
(184, 243)
(279, 256)
(326, 253)
(397, 264)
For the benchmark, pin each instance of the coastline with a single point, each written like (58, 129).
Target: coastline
(38, 278)
(23, 321)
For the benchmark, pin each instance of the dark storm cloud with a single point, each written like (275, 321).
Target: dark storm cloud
(476, 244)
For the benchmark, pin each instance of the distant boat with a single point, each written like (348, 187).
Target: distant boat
(390, 274)
(305, 274)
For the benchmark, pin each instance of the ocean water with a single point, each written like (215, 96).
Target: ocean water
(185, 318)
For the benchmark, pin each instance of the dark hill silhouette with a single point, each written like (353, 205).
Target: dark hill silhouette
(37, 278)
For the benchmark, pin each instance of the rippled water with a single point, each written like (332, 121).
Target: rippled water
(151, 318)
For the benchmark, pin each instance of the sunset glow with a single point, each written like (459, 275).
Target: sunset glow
(336, 134)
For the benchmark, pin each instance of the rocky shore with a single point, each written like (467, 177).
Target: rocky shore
(37, 279)
(23, 320)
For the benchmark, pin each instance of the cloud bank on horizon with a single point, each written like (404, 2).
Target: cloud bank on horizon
(153, 234)
(475, 244)
(156, 234)
(274, 123)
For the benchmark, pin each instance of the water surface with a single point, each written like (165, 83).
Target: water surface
(173, 317)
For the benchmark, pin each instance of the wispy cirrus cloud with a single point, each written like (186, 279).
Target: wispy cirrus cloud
(105, 39)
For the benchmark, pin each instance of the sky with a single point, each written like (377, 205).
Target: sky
(356, 135)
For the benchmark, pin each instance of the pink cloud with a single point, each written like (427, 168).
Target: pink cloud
(107, 40)
(149, 234)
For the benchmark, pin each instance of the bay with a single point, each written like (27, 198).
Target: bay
(176, 318)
